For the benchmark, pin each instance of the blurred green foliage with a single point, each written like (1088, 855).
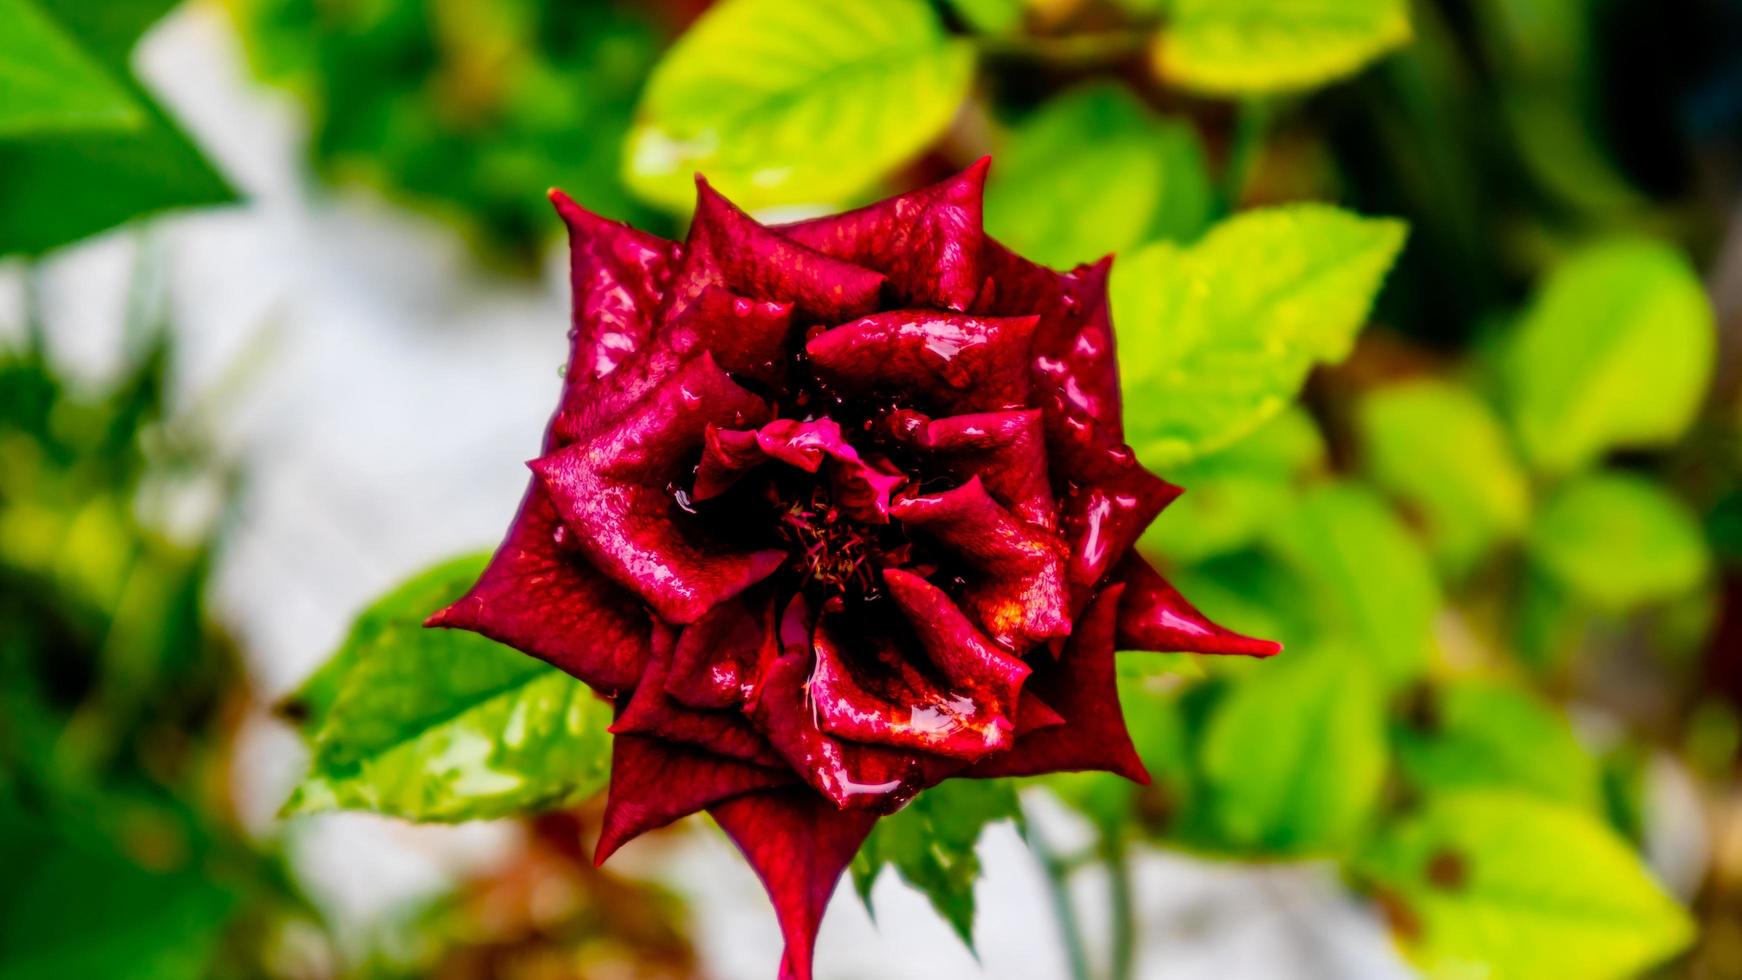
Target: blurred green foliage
(117, 694)
(462, 107)
(83, 147)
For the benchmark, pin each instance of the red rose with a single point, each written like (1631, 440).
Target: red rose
(834, 511)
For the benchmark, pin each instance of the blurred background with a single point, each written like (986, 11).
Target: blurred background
(281, 312)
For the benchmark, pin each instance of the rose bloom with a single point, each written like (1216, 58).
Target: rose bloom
(833, 511)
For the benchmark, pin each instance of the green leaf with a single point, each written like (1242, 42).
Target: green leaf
(74, 906)
(1615, 351)
(1216, 338)
(931, 842)
(1618, 542)
(1485, 735)
(1094, 172)
(1506, 886)
(49, 85)
(1372, 581)
(1248, 47)
(402, 610)
(1234, 495)
(47, 195)
(1440, 450)
(795, 103)
(445, 725)
(1296, 754)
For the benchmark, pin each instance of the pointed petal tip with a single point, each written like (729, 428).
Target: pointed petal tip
(974, 174)
(608, 845)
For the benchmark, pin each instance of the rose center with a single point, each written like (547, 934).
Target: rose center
(828, 548)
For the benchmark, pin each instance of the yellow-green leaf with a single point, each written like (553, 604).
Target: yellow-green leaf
(1510, 887)
(795, 103)
(1439, 449)
(1618, 541)
(1616, 351)
(1246, 47)
(1486, 735)
(1216, 338)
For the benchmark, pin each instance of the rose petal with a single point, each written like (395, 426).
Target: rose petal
(866, 686)
(798, 845)
(747, 337)
(612, 489)
(721, 658)
(1106, 512)
(1006, 450)
(1074, 358)
(1033, 714)
(654, 783)
(927, 241)
(543, 599)
(861, 489)
(958, 363)
(615, 274)
(727, 247)
(1016, 585)
(1081, 686)
(851, 774)
(966, 659)
(656, 714)
(1154, 616)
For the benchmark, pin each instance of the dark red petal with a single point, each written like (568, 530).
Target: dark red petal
(799, 845)
(727, 247)
(1017, 585)
(615, 277)
(968, 661)
(747, 337)
(1114, 500)
(656, 714)
(1154, 616)
(543, 598)
(1074, 359)
(851, 774)
(957, 363)
(1006, 450)
(862, 489)
(720, 659)
(654, 783)
(927, 241)
(1033, 714)
(613, 490)
(867, 686)
(1082, 686)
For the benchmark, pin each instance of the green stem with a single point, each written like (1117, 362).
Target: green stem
(1251, 123)
(1058, 870)
(1118, 858)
